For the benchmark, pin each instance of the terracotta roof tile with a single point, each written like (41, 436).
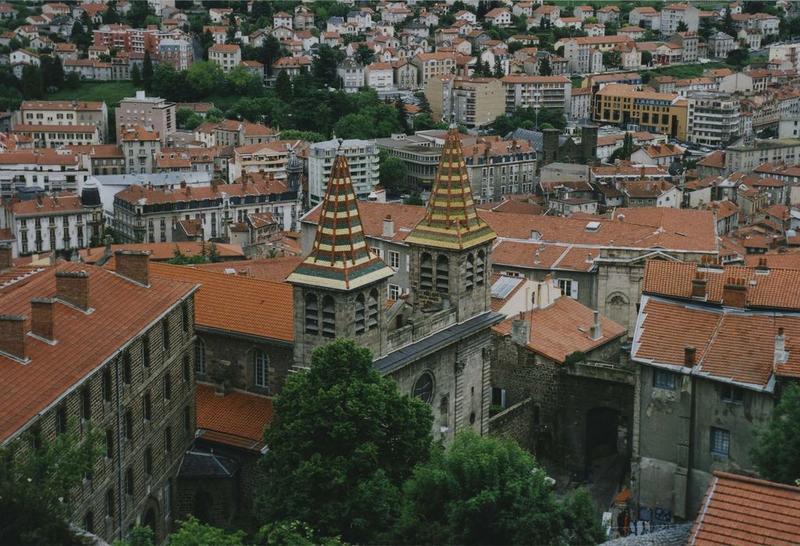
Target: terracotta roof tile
(238, 418)
(164, 251)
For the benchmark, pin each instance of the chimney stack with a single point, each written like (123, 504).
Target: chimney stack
(699, 283)
(12, 336)
(520, 330)
(689, 355)
(597, 331)
(388, 226)
(134, 265)
(6, 257)
(781, 356)
(43, 318)
(72, 287)
(734, 293)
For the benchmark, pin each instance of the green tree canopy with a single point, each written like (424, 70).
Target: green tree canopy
(393, 173)
(204, 77)
(776, 452)
(342, 442)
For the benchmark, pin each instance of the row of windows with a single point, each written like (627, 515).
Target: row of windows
(260, 362)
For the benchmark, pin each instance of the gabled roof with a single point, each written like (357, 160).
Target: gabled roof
(742, 510)
(451, 220)
(340, 258)
(237, 419)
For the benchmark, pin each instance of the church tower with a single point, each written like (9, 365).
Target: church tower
(450, 246)
(340, 288)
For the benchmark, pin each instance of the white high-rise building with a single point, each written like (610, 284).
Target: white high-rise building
(362, 156)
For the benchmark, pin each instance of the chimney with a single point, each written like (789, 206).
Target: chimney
(388, 226)
(781, 356)
(699, 283)
(6, 257)
(12, 336)
(734, 293)
(72, 287)
(597, 331)
(520, 330)
(134, 265)
(43, 318)
(689, 355)
(762, 266)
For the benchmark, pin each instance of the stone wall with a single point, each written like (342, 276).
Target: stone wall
(515, 423)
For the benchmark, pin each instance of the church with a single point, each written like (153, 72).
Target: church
(434, 342)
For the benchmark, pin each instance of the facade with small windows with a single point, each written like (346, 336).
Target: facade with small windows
(135, 387)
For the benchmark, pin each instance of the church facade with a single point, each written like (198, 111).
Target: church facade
(435, 342)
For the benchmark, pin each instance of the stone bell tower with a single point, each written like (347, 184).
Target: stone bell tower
(450, 246)
(340, 288)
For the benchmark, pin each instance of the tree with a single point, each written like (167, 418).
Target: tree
(241, 81)
(581, 524)
(342, 441)
(35, 486)
(647, 58)
(612, 59)
(364, 54)
(293, 533)
(393, 173)
(204, 78)
(481, 491)
(206, 41)
(32, 83)
(283, 86)
(727, 23)
(544, 67)
(682, 27)
(194, 533)
(324, 65)
(775, 454)
(147, 71)
(738, 57)
(136, 76)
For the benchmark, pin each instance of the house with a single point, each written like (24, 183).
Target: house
(658, 154)
(499, 17)
(226, 56)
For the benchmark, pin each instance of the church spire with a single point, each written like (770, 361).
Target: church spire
(451, 221)
(340, 258)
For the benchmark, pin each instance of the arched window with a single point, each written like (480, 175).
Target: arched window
(442, 274)
(372, 310)
(328, 317)
(480, 268)
(200, 358)
(361, 315)
(260, 369)
(426, 272)
(423, 387)
(470, 273)
(312, 315)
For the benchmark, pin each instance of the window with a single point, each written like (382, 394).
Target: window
(469, 277)
(394, 259)
(109, 443)
(146, 350)
(165, 334)
(372, 309)
(260, 368)
(442, 274)
(498, 397)
(394, 292)
(148, 461)
(187, 418)
(360, 314)
(328, 317)
(147, 407)
(200, 358)
(423, 388)
(86, 404)
(106, 385)
(129, 425)
(110, 503)
(568, 288)
(167, 386)
(731, 394)
(720, 441)
(126, 368)
(61, 420)
(662, 379)
(426, 272)
(185, 316)
(312, 315)
(480, 268)
(129, 481)
(88, 521)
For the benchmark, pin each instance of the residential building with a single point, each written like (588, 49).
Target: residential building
(690, 372)
(226, 56)
(720, 44)
(713, 118)
(432, 65)
(580, 103)
(627, 106)
(497, 168)
(658, 154)
(136, 385)
(352, 75)
(585, 54)
(56, 136)
(362, 157)
(139, 147)
(40, 169)
(648, 193)
(178, 53)
(271, 158)
(147, 111)
(65, 113)
(747, 156)
(474, 102)
(674, 14)
(523, 91)
(380, 77)
(645, 17)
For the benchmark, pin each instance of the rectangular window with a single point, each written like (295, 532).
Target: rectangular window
(110, 503)
(61, 420)
(129, 425)
(146, 350)
(167, 386)
(662, 379)
(720, 441)
(168, 440)
(394, 292)
(731, 394)
(129, 481)
(498, 397)
(568, 288)
(86, 404)
(147, 407)
(148, 461)
(109, 443)
(394, 259)
(106, 385)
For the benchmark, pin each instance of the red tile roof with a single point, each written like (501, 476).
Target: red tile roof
(121, 311)
(58, 203)
(135, 194)
(237, 419)
(270, 269)
(165, 251)
(564, 328)
(747, 511)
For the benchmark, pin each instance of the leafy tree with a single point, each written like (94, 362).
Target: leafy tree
(194, 533)
(647, 58)
(241, 81)
(393, 173)
(581, 521)
(79, 36)
(136, 76)
(52, 71)
(32, 83)
(612, 59)
(138, 13)
(111, 16)
(204, 77)
(292, 533)
(310, 136)
(480, 491)
(283, 86)
(270, 51)
(147, 71)
(776, 452)
(35, 486)
(342, 442)
(167, 82)
(727, 23)
(544, 67)
(738, 57)
(682, 27)
(364, 54)
(206, 41)
(324, 65)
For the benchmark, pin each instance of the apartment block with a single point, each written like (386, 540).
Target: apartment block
(523, 91)
(50, 112)
(226, 56)
(473, 102)
(154, 112)
(713, 118)
(626, 106)
(362, 156)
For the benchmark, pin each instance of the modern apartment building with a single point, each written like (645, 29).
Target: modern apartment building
(139, 147)
(362, 156)
(45, 169)
(431, 65)
(473, 102)
(56, 136)
(625, 105)
(523, 91)
(147, 111)
(226, 56)
(713, 118)
(52, 112)
(673, 15)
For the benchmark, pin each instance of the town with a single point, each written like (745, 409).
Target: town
(294, 272)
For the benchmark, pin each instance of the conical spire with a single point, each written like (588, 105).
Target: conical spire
(451, 220)
(340, 258)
